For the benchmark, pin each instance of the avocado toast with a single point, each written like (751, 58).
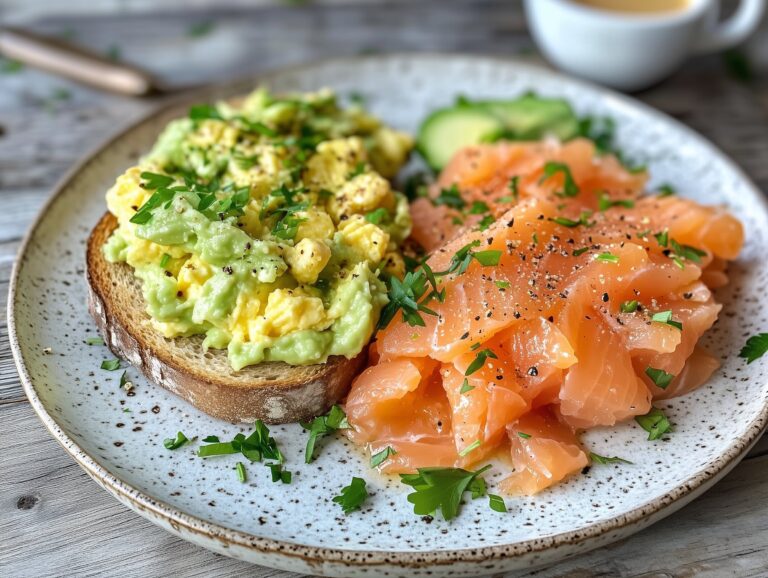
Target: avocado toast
(243, 262)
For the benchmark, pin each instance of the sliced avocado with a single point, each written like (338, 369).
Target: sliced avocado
(526, 118)
(447, 130)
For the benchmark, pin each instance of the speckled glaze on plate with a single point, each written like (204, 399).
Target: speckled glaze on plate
(117, 438)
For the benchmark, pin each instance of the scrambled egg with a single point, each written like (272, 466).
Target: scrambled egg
(266, 227)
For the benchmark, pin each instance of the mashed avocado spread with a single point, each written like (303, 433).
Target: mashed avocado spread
(266, 226)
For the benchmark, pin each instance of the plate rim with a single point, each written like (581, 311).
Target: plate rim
(142, 502)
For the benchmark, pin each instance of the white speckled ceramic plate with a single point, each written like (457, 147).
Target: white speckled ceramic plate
(117, 438)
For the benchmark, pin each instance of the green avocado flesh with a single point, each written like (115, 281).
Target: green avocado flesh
(447, 130)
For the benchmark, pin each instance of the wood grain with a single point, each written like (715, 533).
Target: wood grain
(53, 520)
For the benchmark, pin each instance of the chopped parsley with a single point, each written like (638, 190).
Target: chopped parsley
(465, 387)
(682, 253)
(665, 317)
(603, 460)
(570, 188)
(629, 306)
(94, 341)
(566, 222)
(755, 347)
(581, 251)
(174, 444)
(321, 426)
(496, 503)
(666, 190)
(124, 379)
(479, 208)
(662, 238)
(607, 258)
(203, 112)
(359, 169)
(605, 202)
(659, 377)
(482, 356)
(352, 496)
(240, 469)
(450, 197)
(380, 457)
(655, 423)
(524, 435)
(377, 216)
(110, 364)
(486, 222)
(279, 474)
(406, 296)
(164, 260)
(258, 446)
(470, 448)
(442, 489)
(502, 284)
(513, 186)
(464, 256)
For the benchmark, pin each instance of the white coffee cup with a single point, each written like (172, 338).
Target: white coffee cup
(628, 50)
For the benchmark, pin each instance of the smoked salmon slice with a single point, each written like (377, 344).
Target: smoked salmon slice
(564, 298)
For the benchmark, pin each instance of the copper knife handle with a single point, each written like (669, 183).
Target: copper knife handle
(62, 58)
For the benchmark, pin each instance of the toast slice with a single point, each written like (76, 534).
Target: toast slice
(274, 392)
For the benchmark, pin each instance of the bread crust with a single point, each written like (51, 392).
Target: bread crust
(274, 392)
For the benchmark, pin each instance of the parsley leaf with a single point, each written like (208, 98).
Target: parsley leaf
(666, 190)
(406, 296)
(321, 426)
(513, 186)
(240, 469)
(502, 284)
(598, 459)
(377, 216)
(605, 202)
(607, 258)
(660, 377)
(755, 347)
(470, 448)
(380, 457)
(655, 423)
(204, 112)
(662, 238)
(110, 364)
(442, 488)
(488, 258)
(352, 496)
(629, 306)
(478, 208)
(450, 197)
(359, 169)
(566, 222)
(258, 446)
(570, 188)
(279, 474)
(496, 503)
(685, 252)
(174, 444)
(479, 361)
(665, 317)
(465, 387)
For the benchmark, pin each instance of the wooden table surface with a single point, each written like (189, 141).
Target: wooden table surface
(54, 521)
